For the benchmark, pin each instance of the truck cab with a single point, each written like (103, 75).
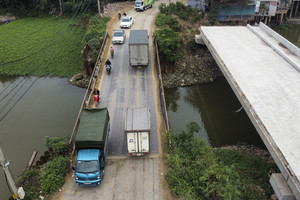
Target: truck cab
(139, 5)
(89, 167)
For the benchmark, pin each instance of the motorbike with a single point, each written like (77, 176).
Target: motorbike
(108, 69)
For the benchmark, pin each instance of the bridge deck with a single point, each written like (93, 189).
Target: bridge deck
(264, 72)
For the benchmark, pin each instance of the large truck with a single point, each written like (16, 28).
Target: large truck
(91, 146)
(137, 130)
(140, 5)
(139, 48)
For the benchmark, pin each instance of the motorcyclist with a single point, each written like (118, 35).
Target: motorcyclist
(112, 51)
(108, 65)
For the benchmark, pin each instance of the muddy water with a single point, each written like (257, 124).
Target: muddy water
(291, 33)
(49, 108)
(217, 111)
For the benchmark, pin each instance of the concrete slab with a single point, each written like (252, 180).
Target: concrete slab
(268, 86)
(281, 187)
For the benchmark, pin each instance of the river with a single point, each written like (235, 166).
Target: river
(51, 105)
(214, 107)
(49, 108)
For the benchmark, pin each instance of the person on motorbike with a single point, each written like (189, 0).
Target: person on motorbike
(108, 62)
(108, 65)
(112, 51)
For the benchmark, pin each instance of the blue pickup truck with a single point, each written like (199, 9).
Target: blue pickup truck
(91, 145)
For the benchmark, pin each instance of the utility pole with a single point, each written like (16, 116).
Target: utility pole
(4, 164)
(99, 8)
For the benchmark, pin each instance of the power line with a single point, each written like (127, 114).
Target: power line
(10, 90)
(28, 78)
(55, 42)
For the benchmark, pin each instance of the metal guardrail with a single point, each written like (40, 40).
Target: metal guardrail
(161, 87)
(90, 88)
(163, 101)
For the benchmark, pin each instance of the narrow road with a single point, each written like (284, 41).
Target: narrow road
(141, 178)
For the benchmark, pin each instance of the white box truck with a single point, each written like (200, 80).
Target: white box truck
(137, 130)
(139, 48)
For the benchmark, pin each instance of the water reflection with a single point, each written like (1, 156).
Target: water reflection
(48, 108)
(291, 32)
(214, 107)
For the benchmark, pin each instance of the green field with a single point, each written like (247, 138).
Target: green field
(42, 47)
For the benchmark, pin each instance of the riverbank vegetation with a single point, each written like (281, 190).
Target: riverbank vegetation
(183, 61)
(48, 175)
(168, 28)
(197, 170)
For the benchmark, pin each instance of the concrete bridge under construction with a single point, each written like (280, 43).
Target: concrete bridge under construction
(263, 69)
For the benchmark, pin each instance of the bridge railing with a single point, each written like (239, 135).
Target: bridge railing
(161, 87)
(91, 86)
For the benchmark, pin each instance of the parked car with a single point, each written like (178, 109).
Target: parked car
(126, 22)
(118, 37)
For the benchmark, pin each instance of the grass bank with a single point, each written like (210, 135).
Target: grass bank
(197, 170)
(42, 47)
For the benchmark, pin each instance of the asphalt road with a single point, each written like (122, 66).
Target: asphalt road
(126, 177)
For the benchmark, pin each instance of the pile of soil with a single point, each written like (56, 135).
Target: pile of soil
(193, 68)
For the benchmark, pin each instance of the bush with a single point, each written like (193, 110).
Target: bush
(96, 27)
(53, 176)
(94, 43)
(164, 20)
(169, 44)
(31, 193)
(192, 46)
(70, 7)
(29, 173)
(193, 167)
(58, 145)
(179, 9)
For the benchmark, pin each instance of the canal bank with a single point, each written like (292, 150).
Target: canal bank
(49, 108)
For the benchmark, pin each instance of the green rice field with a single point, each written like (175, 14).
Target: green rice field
(46, 46)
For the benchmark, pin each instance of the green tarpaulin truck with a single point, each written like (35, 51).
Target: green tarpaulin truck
(91, 145)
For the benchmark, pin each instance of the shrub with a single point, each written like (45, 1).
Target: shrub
(31, 193)
(192, 45)
(58, 145)
(96, 27)
(53, 176)
(94, 43)
(193, 167)
(169, 44)
(164, 20)
(29, 173)
(70, 7)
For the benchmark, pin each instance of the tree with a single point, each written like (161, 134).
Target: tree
(221, 182)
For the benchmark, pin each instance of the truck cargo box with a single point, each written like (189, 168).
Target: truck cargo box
(137, 129)
(92, 130)
(138, 48)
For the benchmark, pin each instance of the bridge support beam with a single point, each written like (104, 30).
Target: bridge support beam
(280, 187)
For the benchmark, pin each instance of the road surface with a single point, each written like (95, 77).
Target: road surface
(126, 177)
